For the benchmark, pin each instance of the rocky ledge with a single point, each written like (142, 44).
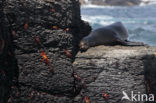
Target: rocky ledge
(107, 71)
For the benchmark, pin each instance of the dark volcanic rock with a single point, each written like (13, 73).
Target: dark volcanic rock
(34, 96)
(8, 62)
(111, 70)
(46, 12)
(47, 33)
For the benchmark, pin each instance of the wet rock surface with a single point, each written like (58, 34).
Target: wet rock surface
(107, 71)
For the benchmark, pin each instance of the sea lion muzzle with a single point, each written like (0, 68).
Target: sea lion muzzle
(83, 46)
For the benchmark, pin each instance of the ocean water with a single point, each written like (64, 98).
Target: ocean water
(139, 20)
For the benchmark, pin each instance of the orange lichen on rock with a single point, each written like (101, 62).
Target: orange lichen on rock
(87, 99)
(68, 54)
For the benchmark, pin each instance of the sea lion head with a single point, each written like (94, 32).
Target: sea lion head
(83, 46)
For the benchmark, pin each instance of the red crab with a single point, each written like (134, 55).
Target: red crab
(26, 26)
(77, 77)
(105, 95)
(87, 99)
(37, 39)
(46, 60)
(68, 54)
(52, 10)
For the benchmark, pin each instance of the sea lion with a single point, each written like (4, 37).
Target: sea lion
(114, 34)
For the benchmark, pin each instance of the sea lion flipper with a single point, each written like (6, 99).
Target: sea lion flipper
(130, 43)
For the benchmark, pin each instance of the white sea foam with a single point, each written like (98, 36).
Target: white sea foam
(105, 20)
(147, 2)
(96, 6)
(143, 3)
(101, 20)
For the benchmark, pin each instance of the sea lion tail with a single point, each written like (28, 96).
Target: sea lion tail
(131, 43)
